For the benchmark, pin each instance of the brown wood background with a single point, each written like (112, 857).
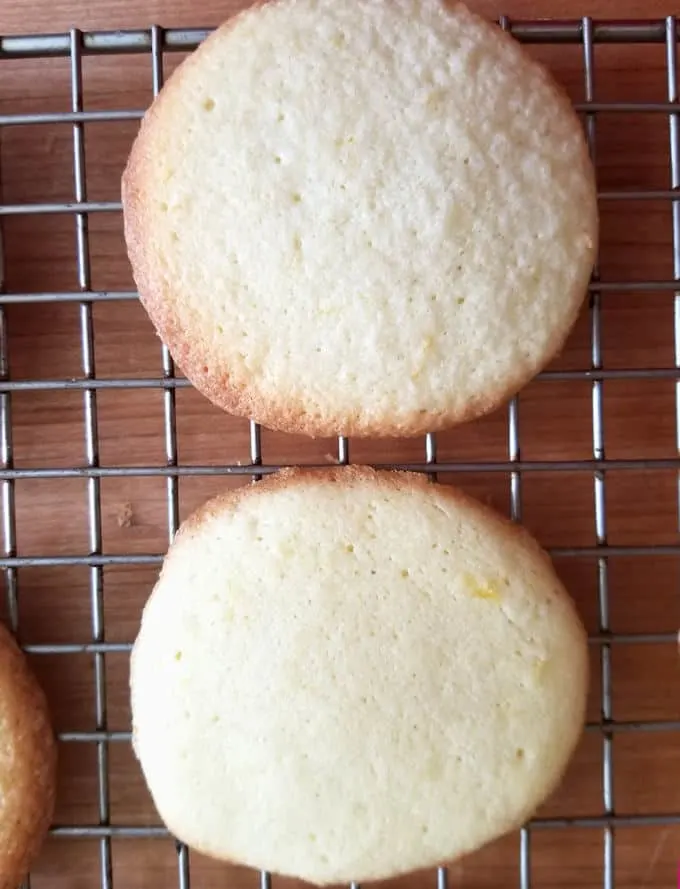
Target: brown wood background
(555, 423)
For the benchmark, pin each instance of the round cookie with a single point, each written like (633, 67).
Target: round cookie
(27, 764)
(368, 217)
(349, 675)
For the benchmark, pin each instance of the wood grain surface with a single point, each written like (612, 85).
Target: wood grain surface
(55, 603)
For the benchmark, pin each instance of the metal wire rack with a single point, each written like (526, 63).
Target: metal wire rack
(156, 43)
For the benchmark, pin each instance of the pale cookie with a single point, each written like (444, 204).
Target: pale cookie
(349, 675)
(27, 764)
(369, 217)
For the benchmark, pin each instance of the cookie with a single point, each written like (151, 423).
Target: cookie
(368, 217)
(27, 764)
(350, 675)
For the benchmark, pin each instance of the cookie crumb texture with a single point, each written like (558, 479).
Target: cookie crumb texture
(27, 764)
(374, 217)
(353, 675)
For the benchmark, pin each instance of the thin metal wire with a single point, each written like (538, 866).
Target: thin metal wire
(183, 872)
(600, 494)
(669, 638)
(561, 552)
(169, 426)
(515, 460)
(255, 446)
(431, 461)
(116, 295)
(110, 116)
(78, 207)
(7, 462)
(617, 727)
(674, 155)
(430, 449)
(516, 516)
(552, 376)
(66, 296)
(240, 469)
(26, 46)
(596, 823)
(663, 194)
(343, 450)
(8, 502)
(85, 206)
(91, 454)
(515, 498)
(52, 117)
(167, 364)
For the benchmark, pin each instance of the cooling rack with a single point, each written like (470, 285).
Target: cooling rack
(81, 376)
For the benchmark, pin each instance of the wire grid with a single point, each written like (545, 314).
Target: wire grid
(155, 42)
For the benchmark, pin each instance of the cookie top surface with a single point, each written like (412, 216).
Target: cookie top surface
(27, 764)
(374, 217)
(350, 675)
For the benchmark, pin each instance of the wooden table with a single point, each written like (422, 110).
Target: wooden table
(55, 602)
